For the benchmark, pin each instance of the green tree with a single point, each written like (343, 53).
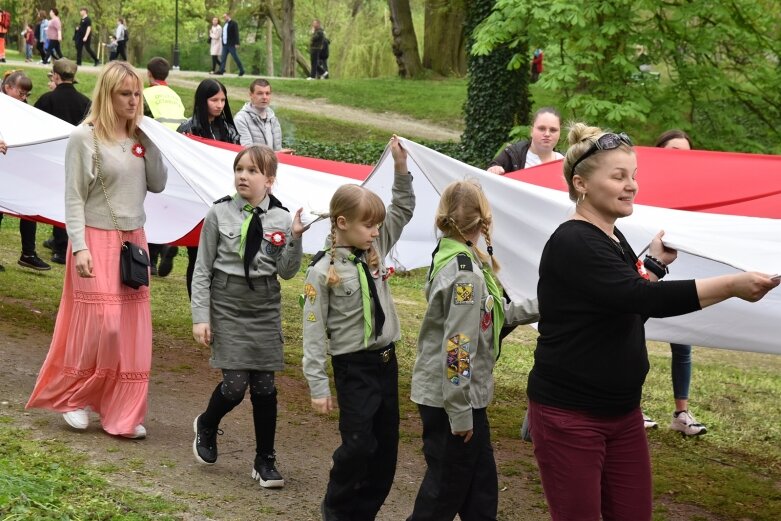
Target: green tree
(717, 63)
(497, 90)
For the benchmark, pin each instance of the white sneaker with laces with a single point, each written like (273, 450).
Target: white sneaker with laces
(78, 419)
(648, 422)
(685, 423)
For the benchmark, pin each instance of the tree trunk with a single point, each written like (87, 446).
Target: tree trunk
(287, 34)
(298, 57)
(444, 41)
(269, 48)
(405, 42)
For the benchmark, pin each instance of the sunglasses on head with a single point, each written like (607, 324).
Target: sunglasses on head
(609, 141)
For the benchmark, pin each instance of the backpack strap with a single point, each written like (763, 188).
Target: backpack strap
(319, 255)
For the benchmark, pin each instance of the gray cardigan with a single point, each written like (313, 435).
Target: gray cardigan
(251, 127)
(128, 178)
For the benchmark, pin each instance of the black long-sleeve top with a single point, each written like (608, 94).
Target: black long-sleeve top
(591, 354)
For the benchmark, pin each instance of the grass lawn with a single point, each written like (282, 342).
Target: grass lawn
(733, 472)
(437, 101)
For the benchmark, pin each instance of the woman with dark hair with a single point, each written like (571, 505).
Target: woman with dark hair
(211, 119)
(681, 364)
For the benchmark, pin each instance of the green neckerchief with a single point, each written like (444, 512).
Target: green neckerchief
(366, 298)
(446, 250)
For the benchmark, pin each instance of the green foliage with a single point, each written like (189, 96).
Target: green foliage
(364, 153)
(717, 64)
(497, 92)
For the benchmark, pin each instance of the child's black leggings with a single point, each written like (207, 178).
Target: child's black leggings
(263, 394)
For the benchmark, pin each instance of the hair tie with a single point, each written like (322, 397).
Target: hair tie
(490, 250)
(469, 243)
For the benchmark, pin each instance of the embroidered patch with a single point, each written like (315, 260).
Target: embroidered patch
(310, 292)
(465, 293)
(311, 317)
(458, 361)
(271, 250)
(487, 320)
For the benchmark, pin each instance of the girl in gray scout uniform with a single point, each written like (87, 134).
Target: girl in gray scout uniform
(245, 241)
(349, 313)
(452, 381)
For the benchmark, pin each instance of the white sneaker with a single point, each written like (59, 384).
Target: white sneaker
(325, 75)
(78, 419)
(685, 423)
(648, 422)
(139, 433)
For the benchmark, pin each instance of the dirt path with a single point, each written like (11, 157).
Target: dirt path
(389, 121)
(163, 463)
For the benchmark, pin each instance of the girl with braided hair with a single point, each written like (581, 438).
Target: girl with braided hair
(452, 381)
(349, 313)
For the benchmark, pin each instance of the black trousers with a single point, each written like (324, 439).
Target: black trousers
(60, 240)
(41, 50)
(461, 477)
(54, 50)
(367, 387)
(314, 62)
(122, 49)
(80, 46)
(27, 232)
(215, 63)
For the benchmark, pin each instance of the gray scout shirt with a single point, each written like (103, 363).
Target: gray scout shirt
(219, 249)
(333, 316)
(455, 360)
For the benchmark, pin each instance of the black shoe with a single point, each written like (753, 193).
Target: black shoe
(59, 258)
(167, 256)
(97, 63)
(266, 472)
(2, 268)
(49, 243)
(241, 74)
(219, 73)
(205, 443)
(33, 262)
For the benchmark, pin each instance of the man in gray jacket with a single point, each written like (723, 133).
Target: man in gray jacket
(256, 121)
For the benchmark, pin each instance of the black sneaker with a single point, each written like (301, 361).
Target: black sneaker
(59, 258)
(33, 262)
(49, 243)
(205, 443)
(266, 472)
(167, 256)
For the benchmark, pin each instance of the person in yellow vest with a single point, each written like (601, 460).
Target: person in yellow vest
(162, 103)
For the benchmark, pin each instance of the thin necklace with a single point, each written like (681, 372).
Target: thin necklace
(613, 239)
(124, 143)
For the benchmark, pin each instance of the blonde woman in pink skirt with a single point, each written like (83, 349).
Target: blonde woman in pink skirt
(101, 350)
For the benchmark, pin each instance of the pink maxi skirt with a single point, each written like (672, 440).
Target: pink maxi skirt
(101, 350)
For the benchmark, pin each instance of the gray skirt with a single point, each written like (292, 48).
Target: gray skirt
(246, 325)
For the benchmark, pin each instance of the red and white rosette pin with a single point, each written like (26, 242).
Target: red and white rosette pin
(641, 269)
(138, 150)
(277, 239)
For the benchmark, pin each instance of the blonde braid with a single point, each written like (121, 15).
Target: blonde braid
(486, 230)
(333, 277)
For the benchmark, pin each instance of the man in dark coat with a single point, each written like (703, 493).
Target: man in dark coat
(83, 37)
(230, 44)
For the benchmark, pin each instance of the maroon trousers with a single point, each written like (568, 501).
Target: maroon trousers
(592, 465)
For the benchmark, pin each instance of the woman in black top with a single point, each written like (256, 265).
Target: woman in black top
(212, 119)
(591, 360)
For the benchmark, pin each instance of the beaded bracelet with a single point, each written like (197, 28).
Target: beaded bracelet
(656, 266)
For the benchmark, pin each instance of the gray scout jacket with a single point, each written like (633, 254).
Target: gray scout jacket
(455, 360)
(333, 316)
(219, 249)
